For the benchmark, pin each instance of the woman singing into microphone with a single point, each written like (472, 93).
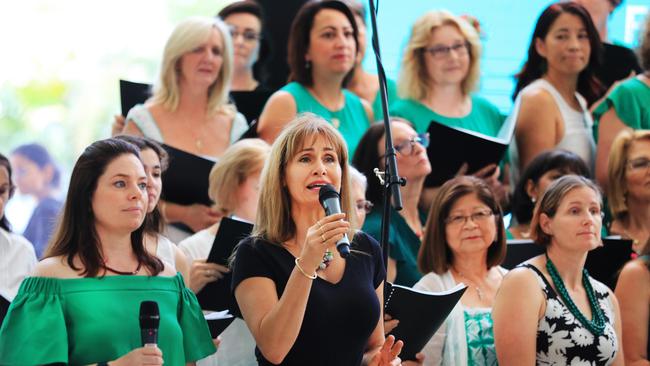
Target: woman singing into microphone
(81, 305)
(303, 303)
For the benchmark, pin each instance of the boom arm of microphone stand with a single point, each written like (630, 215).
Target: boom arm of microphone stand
(392, 180)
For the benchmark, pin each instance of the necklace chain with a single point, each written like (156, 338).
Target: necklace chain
(124, 273)
(479, 292)
(597, 325)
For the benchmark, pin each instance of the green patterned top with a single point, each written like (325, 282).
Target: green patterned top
(480, 337)
(82, 321)
(351, 120)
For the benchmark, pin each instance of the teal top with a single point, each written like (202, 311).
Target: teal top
(631, 101)
(391, 92)
(480, 337)
(82, 321)
(484, 117)
(403, 243)
(351, 121)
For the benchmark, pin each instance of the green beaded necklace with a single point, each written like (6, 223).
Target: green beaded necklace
(595, 326)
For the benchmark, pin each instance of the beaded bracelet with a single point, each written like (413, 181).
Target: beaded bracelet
(312, 277)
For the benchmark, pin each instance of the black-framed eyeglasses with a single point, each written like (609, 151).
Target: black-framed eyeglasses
(477, 217)
(249, 35)
(364, 205)
(7, 188)
(440, 52)
(407, 147)
(639, 164)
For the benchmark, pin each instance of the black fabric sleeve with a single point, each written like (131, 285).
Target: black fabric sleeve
(250, 261)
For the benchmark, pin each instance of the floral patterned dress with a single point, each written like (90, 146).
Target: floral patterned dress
(563, 340)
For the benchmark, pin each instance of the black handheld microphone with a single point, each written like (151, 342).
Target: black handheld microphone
(331, 201)
(149, 321)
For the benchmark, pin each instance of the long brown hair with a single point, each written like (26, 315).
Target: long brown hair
(274, 222)
(76, 235)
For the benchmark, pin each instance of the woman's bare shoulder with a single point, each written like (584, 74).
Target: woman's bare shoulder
(55, 267)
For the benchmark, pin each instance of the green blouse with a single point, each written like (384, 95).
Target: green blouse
(403, 243)
(631, 101)
(484, 116)
(351, 120)
(83, 321)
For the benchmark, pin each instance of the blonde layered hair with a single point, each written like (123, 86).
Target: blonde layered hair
(188, 35)
(274, 222)
(414, 81)
(616, 181)
(241, 160)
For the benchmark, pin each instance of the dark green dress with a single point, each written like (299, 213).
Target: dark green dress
(83, 321)
(403, 243)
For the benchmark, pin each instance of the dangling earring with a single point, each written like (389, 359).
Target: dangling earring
(307, 64)
(533, 200)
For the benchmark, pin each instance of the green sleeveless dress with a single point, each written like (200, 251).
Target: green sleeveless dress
(83, 321)
(351, 120)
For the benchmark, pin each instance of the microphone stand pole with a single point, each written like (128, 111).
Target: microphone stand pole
(391, 179)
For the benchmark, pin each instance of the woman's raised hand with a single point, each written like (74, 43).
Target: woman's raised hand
(202, 273)
(147, 355)
(199, 217)
(387, 355)
(320, 236)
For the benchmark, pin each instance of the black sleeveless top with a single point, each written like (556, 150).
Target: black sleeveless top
(563, 340)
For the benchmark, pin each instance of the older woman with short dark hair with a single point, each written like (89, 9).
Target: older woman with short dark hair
(464, 241)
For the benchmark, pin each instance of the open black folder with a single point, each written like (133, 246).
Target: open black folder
(450, 147)
(420, 314)
(603, 263)
(132, 93)
(217, 295)
(4, 307)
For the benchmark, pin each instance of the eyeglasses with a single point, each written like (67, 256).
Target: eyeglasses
(364, 205)
(477, 217)
(441, 52)
(641, 164)
(408, 147)
(249, 35)
(7, 188)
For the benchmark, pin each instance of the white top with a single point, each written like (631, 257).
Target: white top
(448, 346)
(198, 245)
(17, 260)
(578, 136)
(165, 251)
(237, 346)
(142, 118)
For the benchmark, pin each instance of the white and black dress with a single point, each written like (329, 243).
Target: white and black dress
(563, 340)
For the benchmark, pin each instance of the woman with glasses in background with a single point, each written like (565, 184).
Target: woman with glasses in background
(17, 258)
(464, 241)
(628, 195)
(362, 206)
(245, 21)
(440, 69)
(406, 225)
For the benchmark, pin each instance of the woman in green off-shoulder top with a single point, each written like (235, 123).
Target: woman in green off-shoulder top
(81, 307)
